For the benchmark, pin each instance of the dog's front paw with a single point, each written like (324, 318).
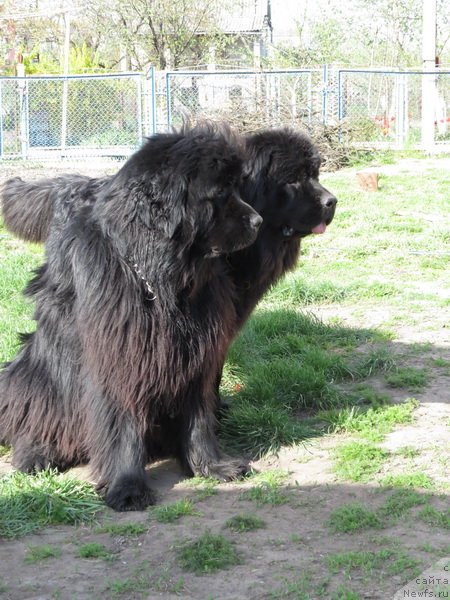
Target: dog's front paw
(227, 469)
(129, 492)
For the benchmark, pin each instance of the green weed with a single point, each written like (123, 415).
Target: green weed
(350, 518)
(208, 553)
(434, 517)
(268, 489)
(124, 529)
(372, 423)
(410, 378)
(400, 502)
(169, 513)
(95, 550)
(30, 502)
(359, 460)
(243, 523)
(394, 562)
(38, 553)
(405, 480)
(300, 589)
(204, 487)
(342, 593)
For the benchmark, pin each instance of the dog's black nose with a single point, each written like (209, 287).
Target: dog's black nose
(254, 220)
(329, 201)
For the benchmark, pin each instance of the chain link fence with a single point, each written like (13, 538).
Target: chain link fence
(70, 116)
(247, 99)
(385, 107)
(108, 115)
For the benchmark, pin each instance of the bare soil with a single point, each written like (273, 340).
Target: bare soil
(286, 559)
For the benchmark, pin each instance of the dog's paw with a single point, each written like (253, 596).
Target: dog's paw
(225, 470)
(30, 459)
(129, 492)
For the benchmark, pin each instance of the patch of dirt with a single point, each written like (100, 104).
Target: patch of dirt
(290, 553)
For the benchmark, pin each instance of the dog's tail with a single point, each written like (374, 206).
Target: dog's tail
(28, 207)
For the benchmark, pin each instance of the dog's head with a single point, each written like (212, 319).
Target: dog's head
(186, 187)
(223, 222)
(282, 179)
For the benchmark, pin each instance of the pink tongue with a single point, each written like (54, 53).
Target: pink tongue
(319, 228)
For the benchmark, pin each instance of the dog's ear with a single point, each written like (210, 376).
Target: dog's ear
(258, 162)
(161, 204)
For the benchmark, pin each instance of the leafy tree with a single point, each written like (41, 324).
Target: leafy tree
(162, 32)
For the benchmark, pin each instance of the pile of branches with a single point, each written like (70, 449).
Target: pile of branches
(333, 140)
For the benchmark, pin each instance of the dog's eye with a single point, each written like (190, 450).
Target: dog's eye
(287, 231)
(222, 196)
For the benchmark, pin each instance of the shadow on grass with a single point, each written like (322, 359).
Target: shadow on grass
(286, 366)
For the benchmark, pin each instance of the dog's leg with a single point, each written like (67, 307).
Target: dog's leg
(200, 453)
(32, 457)
(118, 456)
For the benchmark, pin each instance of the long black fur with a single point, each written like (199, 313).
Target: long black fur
(281, 181)
(135, 311)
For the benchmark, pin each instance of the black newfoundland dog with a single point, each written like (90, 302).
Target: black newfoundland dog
(134, 316)
(280, 181)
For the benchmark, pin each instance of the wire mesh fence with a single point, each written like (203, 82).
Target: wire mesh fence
(386, 106)
(110, 114)
(41, 116)
(246, 98)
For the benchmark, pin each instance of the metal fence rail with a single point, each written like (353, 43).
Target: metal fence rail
(95, 115)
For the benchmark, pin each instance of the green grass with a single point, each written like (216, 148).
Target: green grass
(343, 593)
(407, 452)
(4, 450)
(300, 589)
(30, 502)
(285, 362)
(387, 561)
(268, 489)
(244, 523)
(204, 487)
(95, 550)
(370, 423)
(39, 553)
(129, 585)
(169, 513)
(142, 580)
(123, 529)
(405, 480)
(401, 502)
(207, 554)
(354, 517)
(17, 261)
(359, 461)
(411, 378)
(435, 518)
